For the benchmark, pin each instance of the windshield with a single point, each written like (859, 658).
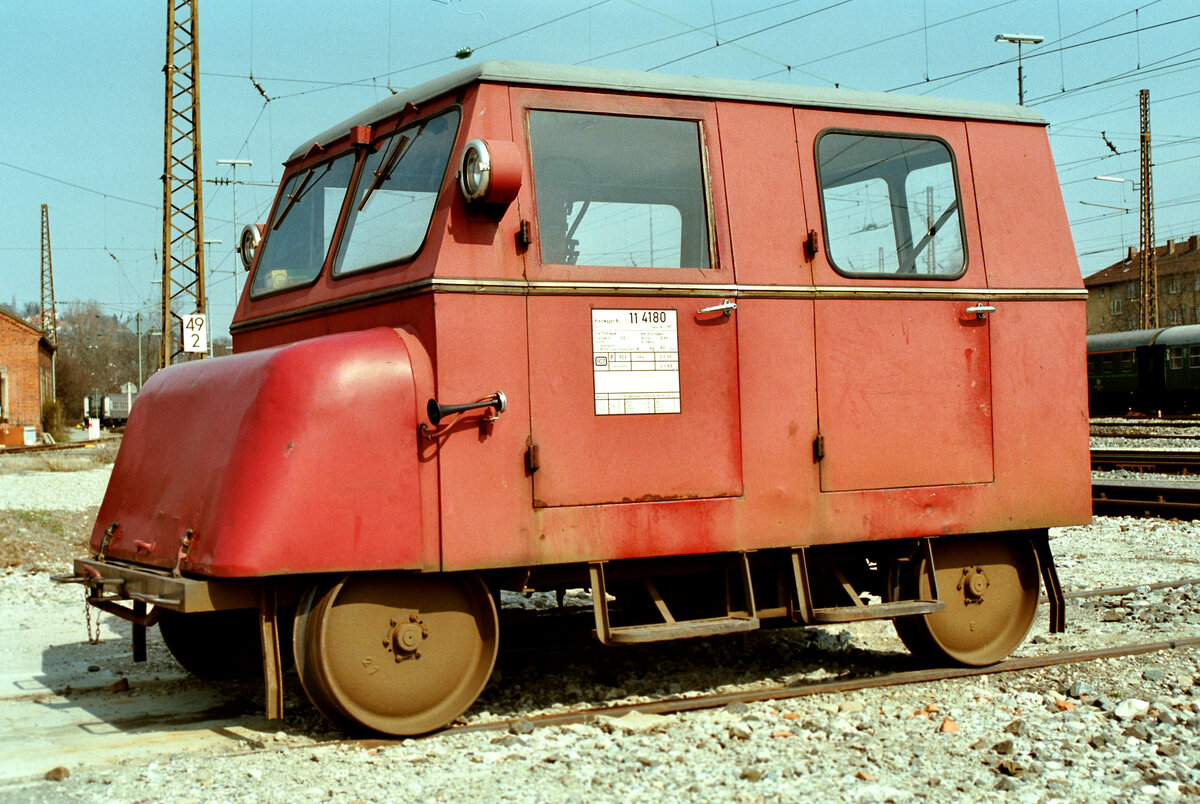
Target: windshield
(301, 231)
(396, 194)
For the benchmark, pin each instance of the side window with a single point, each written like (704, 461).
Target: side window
(619, 191)
(1194, 357)
(1175, 357)
(302, 227)
(890, 205)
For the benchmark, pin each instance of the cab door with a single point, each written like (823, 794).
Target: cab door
(902, 313)
(633, 342)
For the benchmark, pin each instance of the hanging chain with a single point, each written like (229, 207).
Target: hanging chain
(93, 639)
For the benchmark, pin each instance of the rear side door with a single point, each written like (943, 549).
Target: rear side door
(902, 340)
(633, 354)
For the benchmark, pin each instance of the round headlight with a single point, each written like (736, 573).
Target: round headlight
(475, 174)
(248, 244)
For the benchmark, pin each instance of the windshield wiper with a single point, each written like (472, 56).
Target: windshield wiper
(399, 148)
(306, 183)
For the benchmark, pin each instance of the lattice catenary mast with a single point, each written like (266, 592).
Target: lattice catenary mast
(183, 221)
(49, 316)
(1146, 240)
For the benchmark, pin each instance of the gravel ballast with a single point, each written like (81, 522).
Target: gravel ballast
(1120, 729)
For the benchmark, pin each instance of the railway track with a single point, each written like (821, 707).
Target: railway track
(676, 705)
(1168, 421)
(91, 443)
(1164, 462)
(1178, 499)
(1160, 498)
(1119, 433)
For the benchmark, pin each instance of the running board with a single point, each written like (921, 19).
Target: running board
(608, 634)
(877, 611)
(659, 632)
(804, 611)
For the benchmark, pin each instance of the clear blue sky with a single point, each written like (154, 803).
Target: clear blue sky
(82, 100)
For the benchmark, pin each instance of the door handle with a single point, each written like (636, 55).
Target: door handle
(981, 309)
(726, 307)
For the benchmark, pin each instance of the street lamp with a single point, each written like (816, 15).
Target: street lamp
(1018, 40)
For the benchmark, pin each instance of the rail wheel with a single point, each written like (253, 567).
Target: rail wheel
(990, 586)
(399, 654)
(218, 645)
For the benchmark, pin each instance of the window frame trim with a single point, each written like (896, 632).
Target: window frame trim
(958, 194)
(706, 177)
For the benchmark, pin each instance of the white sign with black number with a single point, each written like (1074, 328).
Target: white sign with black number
(195, 333)
(635, 362)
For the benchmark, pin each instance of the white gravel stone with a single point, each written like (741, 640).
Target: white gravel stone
(1131, 708)
(61, 491)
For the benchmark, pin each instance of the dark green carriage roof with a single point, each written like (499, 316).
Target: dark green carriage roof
(1121, 341)
(1163, 336)
(1180, 336)
(635, 82)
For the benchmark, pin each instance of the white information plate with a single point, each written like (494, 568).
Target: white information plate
(635, 362)
(195, 333)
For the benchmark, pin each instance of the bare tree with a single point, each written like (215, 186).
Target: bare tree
(97, 351)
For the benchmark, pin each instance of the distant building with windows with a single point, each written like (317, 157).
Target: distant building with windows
(1114, 294)
(26, 379)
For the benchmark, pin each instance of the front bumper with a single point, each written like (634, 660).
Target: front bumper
(109, 582)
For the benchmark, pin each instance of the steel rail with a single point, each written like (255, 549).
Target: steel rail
(1115, 591)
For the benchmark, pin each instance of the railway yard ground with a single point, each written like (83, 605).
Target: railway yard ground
(81, 722)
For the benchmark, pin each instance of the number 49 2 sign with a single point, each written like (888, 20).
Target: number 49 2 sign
(195, 333)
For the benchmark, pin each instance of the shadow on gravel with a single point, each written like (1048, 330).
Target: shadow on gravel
(113, 693)
(99, 689)
(538, 669)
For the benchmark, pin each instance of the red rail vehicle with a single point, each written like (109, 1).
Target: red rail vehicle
(726, 353)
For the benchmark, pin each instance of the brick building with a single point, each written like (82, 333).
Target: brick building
(1114, 294)
(26, 377)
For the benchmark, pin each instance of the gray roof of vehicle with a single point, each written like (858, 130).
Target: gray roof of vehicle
(642, 83)
(1180, 336)
(1120, 341)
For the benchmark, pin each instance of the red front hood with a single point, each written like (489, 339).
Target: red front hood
(301, 458)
